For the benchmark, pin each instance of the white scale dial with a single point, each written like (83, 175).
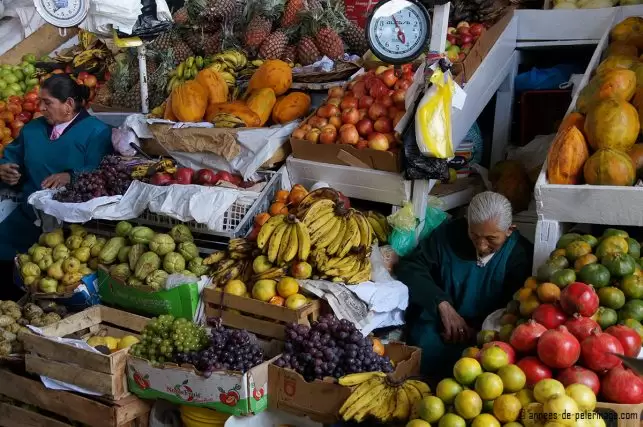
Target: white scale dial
(398, 30)
(62, 13)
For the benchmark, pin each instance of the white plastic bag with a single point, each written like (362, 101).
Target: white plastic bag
(122, 137)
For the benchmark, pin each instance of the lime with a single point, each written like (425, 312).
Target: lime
(545, 271)
(611, 297)
(3, 85)
(513, 378)
(633, 309)
(632, 286)
(468, 404)
(596, 275)
(593, 241)
(619, 264)
(525, 396)
(466, 370)
(452, 420)
(431, 409)
(564, 277)
(493, 358)
(489, 386)
(547, 388)
(606, 317)
(559, 261)
(507, 408)
(615, 232)
(566, 239)
(19, 74)
(29, 57)
(577, 249)
(633, 248)
(485, 420)
(447, 390)
(23, 86)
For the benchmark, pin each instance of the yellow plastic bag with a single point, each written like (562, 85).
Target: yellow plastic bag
(433, 117)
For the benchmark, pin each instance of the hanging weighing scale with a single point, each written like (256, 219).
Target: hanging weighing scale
(62, 13)
(397, 31)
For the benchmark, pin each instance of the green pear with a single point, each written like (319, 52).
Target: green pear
(45, 262)
(71, 265)
(81, 254)
(73, 242)
(55, 270)
(48, 285)
(60, 252)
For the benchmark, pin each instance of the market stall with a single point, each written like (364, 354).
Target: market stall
(228, 259)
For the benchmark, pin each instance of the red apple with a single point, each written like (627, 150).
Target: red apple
(348, 102)
(388, 77)
(363, 113)
(378, 141)
(313, 136)
(335, 121)
(90, 81)
(391, 138)
(462, 24)
(365, 102)
(383, 125)
(361, 144)
(466, 48)
(334, 101)
(323, 111)
(463, 31)
(461, 56)
(350, 115)
(83, 75)
(403, 84)
(476, 29)
(328, 135)
(399, 96)
(299, 133)
(348, 134)
(376, 111)
(359, 89)
(378, 88)
(386, 100)
(364, 127)
(318, 122)
(452, 39)
(336, 92)
(466, 39)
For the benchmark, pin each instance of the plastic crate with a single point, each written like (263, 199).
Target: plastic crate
(237, 220)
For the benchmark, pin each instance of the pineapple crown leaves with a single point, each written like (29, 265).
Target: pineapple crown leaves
(268, 9)
(314, 20)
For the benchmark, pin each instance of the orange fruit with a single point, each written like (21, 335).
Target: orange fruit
(585, 260)
(261, 218)
(378, 347)
(282, 196)
(278, 208)
(548, 292)
(531, 283)
(524, 293)
(277, 300)
(296, 195)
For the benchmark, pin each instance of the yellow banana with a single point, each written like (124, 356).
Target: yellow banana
(293, 244)
(323, 230)
(334, 245)
(402, 406)
(351, 234)
(365, 230)
(275, 241)
(180, 70)
(257, 63)
(214, 257)
(272, 273)
(320, 258)
(364, 394)
(414, 397)
(268, 228)
(329, 237)
(223, 266)
(364, 275)
(354, 265)
(377, 229)
(190, 61)
(385, 412)
(315, 210)
(356, 379)
(218, 66)
(422, 387)
(378, 407)
(320, 222)
(303, 241)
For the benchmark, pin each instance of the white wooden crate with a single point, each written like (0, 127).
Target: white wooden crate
(591, 204)
(578, 24)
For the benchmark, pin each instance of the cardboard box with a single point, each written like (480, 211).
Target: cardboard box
(358, 10)
(620, 415)
(228, 392)
(321, 399)
(181, 301)
(463, 71)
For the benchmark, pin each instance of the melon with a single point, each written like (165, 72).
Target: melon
(636, 154)
(629, 31)
(609, 167)
(612, 123)
(619, 84)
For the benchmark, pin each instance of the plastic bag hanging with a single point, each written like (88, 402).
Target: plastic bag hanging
(434, 216)
(404, 222)
(433, 117)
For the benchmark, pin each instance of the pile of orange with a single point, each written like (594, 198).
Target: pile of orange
(283, 203)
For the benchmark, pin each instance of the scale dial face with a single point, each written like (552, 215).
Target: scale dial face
(62, 13)
(397, 30)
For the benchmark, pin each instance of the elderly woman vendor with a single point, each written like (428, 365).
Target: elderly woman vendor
(464, 270)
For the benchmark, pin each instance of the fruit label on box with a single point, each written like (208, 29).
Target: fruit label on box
(224, 392)
(357, 10)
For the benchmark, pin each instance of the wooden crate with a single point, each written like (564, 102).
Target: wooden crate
(618, 415)
(266, 320)
(127, 412)
(93, 371)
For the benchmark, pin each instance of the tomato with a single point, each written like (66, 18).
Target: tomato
(29, 106)
(24, 116)
(31, 97)
(83, 75)
(7, 116)
(5, 133)
(14, 108)
(3, 106)
(14, 99)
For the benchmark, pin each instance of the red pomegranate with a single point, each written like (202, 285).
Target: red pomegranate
(549, 315)
(579, 298)
(581, 327)
(579, 375)
(628, 337)
(596, 351)
(559, 349)
(525, 337)
(503, 345)
(534, 370)
(620, 385)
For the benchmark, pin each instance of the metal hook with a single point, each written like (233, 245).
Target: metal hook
(62, 32)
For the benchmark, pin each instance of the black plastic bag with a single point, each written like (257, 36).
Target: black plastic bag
(147, 26)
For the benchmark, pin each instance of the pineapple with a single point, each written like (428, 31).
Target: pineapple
(355, 38)
(172, 40)
(274, 45)
(291, 11)
(323, 26)
(202, 42)
(485, 11)
(103, 95)
(120, 82)
(307, 52)
(290, 54)
(260, 16)
(132, 99)
(181, 16)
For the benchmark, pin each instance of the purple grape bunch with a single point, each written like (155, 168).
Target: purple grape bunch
(110, 179)
(330, 347)
(229, 349)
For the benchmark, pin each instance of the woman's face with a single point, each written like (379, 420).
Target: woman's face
(487, 237)
(55, 111)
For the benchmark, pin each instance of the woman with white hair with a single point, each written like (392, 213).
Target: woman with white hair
(464, 270)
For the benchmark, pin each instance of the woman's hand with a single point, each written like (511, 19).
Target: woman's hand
(10, 173)
(456, 329)
(56, 180)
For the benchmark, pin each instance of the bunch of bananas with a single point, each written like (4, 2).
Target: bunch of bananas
(226, 120)
(352, 269)
(148, 169)
(273, 273)
(375, 396)
(228, 63)
(380, 226)
(284, 238)
(93, 57)
(186, 70)
(233, 263)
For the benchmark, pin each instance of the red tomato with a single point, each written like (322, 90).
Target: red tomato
(14, 108)
(16, 127)
(3, 106)
(7, 116)
(24, 117)
(14, 99)
(83, 75)
(29, 106)
(32, 97)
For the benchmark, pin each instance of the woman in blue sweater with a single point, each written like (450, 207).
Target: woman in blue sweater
(48, 153)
